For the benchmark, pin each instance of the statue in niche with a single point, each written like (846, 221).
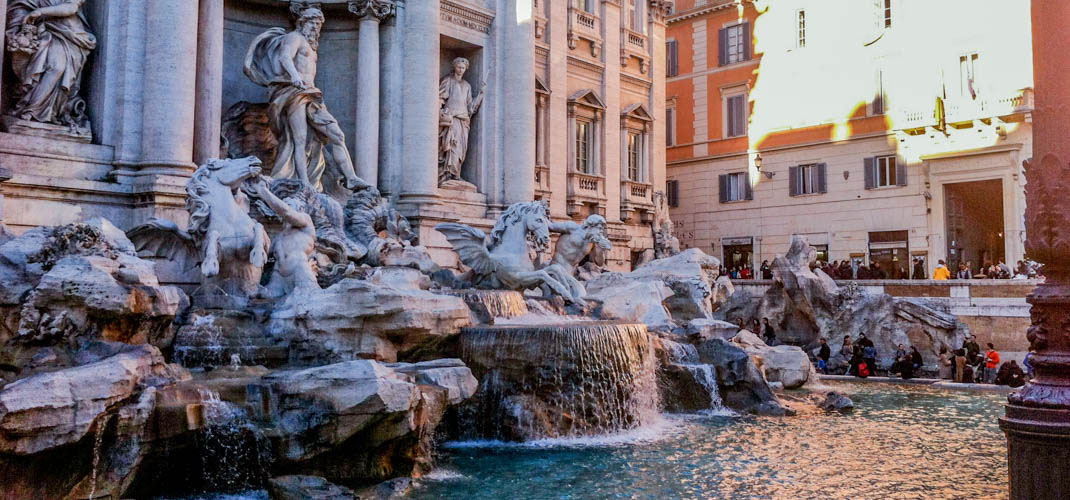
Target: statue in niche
(230, 246)
(48, 42)
(576, 243)
(292, 247)
(456, 108)
(311, 145)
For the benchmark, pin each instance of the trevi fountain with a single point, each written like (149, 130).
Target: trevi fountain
(280, 330)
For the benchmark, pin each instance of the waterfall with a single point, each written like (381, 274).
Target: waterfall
(234, 453)
(486, 305)
(706, 375)
(564, 380)
(98, 442)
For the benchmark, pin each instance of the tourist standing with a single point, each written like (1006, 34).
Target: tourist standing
(1028, 362)
(1010, 374)
(946, 360)
(915, 358)
(767, 332)
(972, 349)
(846, 351)
(941, 272)
(960, 366)
(823, 355)
(767, 272)
(869, 355)
(991, 363)
(964, 273)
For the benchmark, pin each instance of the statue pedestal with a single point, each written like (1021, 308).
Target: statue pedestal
(15, 125)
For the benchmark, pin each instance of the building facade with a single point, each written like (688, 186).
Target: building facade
(885, 130)
(571, 111)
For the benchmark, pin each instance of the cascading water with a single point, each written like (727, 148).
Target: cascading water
(98, 444)
(564, 380)
(234, 453)
(706, 375)
(486, 305)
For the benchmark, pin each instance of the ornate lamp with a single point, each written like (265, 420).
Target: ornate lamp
(1037, 419)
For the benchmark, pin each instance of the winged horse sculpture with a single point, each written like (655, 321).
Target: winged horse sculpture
(502, 260)
(229, 245)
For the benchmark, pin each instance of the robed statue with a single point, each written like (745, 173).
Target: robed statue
(311, 145)
(48, 42)
(456, 107)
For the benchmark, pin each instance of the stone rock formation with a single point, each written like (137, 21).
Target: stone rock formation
(804, 305)
(568, 379)
(743, 387)
(362, 421)
(786, 364)
(633, 301)
(689, 275)
(297, 487)
(67, 286)
(834, 401)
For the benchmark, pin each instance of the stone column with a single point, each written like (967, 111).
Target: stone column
(419, 182)
(170, 82)
(519, 100)
(390, 103)
(209, 109)
(371, 13)
(1037, 419)
(3, 42)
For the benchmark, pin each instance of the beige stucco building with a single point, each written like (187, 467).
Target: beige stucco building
(883, 130)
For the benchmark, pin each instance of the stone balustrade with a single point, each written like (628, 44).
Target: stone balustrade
(636, 198)
(586, 189)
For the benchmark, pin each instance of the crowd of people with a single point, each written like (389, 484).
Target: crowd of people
(846, 270)
(999, 270)
(967, 364)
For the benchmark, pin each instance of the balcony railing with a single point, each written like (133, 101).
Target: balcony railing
(585, 189)
(635, 197)
(633, 40)
(964, 110)
(542, 180)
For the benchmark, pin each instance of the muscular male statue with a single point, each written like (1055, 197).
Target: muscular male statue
(292, 247)
(285, 62)
(575, 243)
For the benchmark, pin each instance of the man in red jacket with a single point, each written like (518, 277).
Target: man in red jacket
(991, 363)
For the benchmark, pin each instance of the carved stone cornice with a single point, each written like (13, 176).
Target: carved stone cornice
(466, 16)
(375, 9)
(660, 10)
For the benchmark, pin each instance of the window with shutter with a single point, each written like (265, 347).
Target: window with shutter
(867, 169)
(736, 115)
(670, 126)
(808, 179)
(734, 187)
(900, 172)
(672, 58)
(673, 188)
(886, 172)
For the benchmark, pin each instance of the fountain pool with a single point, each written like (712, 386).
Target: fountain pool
(901, 442)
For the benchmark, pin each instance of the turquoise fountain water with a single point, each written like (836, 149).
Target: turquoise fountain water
(901, 442)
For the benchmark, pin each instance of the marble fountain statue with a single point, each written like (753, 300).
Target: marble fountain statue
(321, 343)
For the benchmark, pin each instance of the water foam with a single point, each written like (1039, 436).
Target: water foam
(663, 427)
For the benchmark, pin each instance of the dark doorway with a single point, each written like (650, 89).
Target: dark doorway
(974, 223)
(738, 252)
(888, 252)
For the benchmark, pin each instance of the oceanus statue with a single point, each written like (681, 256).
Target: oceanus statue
(230, 247)
(502, 260)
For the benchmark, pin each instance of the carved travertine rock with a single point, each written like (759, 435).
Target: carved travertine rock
(502, 261)
(54, 409)
(575, 243)
(311, 145)
(229, 245)
(48, 42)
(457, 105)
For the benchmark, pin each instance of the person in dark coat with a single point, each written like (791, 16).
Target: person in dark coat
(823, 355)
(915, 358)
(768, 335)
(1010, 374)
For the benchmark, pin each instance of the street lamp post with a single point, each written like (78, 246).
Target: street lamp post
(1037, 419)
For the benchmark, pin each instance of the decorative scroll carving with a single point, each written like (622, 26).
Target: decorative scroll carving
(379, 9)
